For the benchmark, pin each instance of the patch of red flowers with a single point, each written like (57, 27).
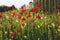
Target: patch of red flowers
(23, 18)
(13, 14)
(23, 10)
(20, 12)
(38, 17)
(23, 24)
(33, 21)
(35, 10)
(31, 10)
(1, 15)
(13, 34)
(19, 17)
(38, 5)
(18, 30)
(29, 15)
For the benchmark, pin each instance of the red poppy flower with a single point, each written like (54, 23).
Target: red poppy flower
(13, 34)
(38, 17)
(31, 10)
(1, 15)
(23, 18)
(18, 30)
(38, 5)
(23, 10)
(23, 24)
(35, 10)
(13, 14)
(13, 6)
(29, 15)
(19, 17)
(33, 21)
(20, 12)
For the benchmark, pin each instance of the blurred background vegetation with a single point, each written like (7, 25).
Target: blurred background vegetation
(48, 5)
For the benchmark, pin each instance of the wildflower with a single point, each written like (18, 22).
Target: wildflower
(31, 10)
(19, 17)
(29, 15)
(20, 12)
(10, 39)
(38, 5)
(38, 17)
(6, 32)
(23, 10)
(13, 34)
(17, 21)
(13, 14)
(18, 30)
(1, 15)
(23, 18)
(7, 17)
(53, 24)
(33, 21)
(23, 24)
(38, 26)
(13, 6)
(25, 36)
(35, 10)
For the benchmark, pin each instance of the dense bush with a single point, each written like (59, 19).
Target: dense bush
(6, 8)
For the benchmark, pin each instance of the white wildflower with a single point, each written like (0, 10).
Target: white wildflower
(38, 38)
(10, 39)
(53, 24)
(25, 36)
(7, 17)
(41, 17)
(11, 32)
(38, 26)
(6, 32)
(17, 21)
